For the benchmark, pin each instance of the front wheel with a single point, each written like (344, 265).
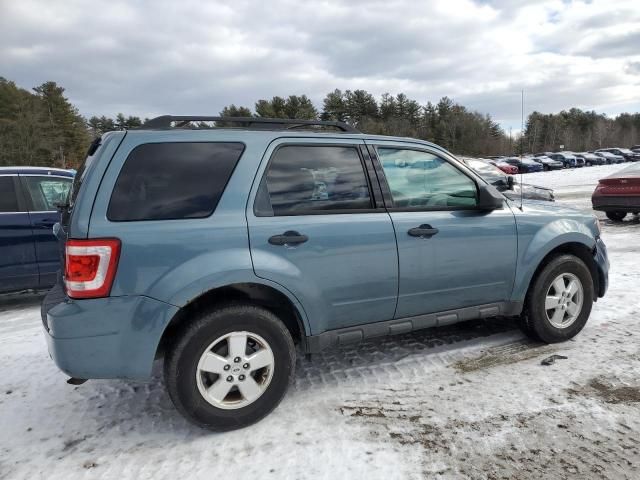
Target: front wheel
(616, 216)
(230, 367)
(559, 300)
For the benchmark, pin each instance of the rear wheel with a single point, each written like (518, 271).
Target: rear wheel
(230, 367)
(616, 216)
(559, 300)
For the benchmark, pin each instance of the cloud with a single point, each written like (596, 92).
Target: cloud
(153, 57)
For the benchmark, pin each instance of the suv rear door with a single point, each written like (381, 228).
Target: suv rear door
(318, 228)
(451, 255)
(18, 267)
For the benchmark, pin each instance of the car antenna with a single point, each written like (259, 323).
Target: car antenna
(521, 144)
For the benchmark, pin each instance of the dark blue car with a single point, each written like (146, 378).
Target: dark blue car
(29, 256)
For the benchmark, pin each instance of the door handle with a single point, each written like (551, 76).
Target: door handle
(423, 231)
(290, 237)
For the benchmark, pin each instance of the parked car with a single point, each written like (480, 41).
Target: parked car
(507, 184)
(635, 148)
(591, 159)
(619, 193)
(524, 165)
(29, 257)
(547, 163)
(580, 162)
(505, 167)
(611, 158)
(569, 160)
(219, 249)
(627, 154)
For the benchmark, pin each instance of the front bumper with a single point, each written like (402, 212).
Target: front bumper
(602, 260)
(114, 337)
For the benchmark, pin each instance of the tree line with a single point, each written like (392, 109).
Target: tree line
(41, 126)
(580, 130)
(446, 123)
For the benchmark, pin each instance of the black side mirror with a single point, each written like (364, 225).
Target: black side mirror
(489, 198)
(510, 182)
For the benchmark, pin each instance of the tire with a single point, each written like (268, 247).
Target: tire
(545, 168)
(186, 382)
(539, 322)
(616, 216)
(588, 164)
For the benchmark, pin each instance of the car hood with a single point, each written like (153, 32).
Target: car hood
(530, 192)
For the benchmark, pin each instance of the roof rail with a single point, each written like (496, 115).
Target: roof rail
(258, 123)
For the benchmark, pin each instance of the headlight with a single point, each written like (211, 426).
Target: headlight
(598, 227)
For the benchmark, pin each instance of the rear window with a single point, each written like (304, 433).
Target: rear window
(166, 181)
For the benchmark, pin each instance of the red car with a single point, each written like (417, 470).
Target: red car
(505, 167)
(619, 193)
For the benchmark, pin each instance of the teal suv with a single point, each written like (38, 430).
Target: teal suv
(226, 246)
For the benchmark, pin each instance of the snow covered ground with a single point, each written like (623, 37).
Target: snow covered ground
(468, 401)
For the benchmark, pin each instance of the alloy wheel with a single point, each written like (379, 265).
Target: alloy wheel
(235, 370)
(564, 299)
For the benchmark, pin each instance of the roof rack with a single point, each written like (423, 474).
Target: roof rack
(257, 123)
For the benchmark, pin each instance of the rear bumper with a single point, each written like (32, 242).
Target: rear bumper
(115, 337)
(607, 203)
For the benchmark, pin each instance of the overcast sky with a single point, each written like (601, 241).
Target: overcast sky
(185, 57)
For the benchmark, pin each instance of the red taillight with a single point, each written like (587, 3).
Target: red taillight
(90, 267)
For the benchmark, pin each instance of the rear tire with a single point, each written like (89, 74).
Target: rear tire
(210, 358)
(616, 216)
(559, 300)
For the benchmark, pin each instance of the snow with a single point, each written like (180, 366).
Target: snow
(467, 401)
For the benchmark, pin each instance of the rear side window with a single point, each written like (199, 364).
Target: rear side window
(165, 181)
(307, 179)
(8, 198)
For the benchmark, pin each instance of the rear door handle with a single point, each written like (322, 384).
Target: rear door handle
(290, 237)
(423, 231)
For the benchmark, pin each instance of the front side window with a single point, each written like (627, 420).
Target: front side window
(423, 180)
(8, 197)
(310, 179)
(46, 193)
(168, 181)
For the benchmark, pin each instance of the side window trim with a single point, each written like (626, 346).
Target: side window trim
(262, 203)
(373, 148)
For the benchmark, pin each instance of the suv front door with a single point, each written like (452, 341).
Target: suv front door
(315, 228)
(44, 193)
(451, 254)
